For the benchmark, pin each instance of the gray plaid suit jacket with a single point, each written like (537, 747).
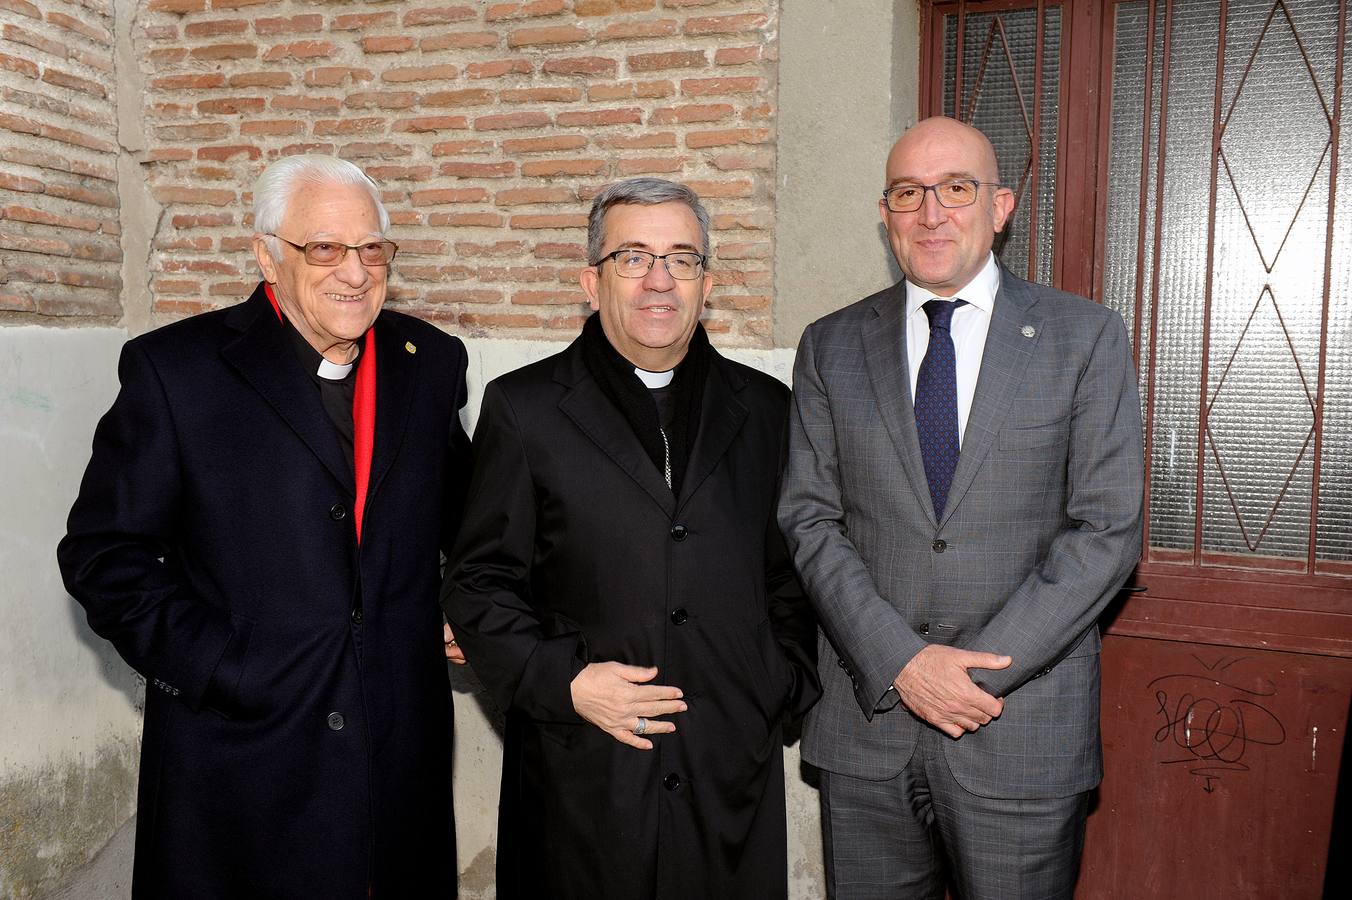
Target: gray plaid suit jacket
(1042, 527)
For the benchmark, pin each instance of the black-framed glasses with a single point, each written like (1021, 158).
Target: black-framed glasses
(682, 265)
(953, 194)
(331, 253)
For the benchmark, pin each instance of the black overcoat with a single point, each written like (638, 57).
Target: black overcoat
(574, 550)
(298, 718)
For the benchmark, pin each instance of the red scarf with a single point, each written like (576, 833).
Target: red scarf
(363, 414)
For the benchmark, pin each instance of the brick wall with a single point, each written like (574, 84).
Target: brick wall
(489, 126)
(59, 237)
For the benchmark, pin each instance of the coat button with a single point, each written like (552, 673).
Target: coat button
(356, 617)
(939, 545)
(337, 512)
(679, 616)
(679, 532)
(672, 781)
(336, 721)
(924, 628)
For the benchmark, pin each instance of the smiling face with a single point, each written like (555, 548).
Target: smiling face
(649, 320)
(939, 248)
(331, 306)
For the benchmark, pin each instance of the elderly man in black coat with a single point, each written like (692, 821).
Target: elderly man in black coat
(258, 534)
(621, 587)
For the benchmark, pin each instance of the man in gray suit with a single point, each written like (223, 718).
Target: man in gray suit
(963, 498)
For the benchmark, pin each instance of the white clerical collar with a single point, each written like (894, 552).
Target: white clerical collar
(979, 292)
(654, 380)
(331, 371)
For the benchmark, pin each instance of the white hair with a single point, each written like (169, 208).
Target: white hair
(272, 191)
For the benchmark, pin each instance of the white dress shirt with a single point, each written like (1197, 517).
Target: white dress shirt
(969, 326)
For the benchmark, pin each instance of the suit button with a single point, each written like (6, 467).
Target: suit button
(679, 616)
(679, 532)
(337, 512)
(336, 721)
(356, 617)
(924, 628)
(672, 781)
(939, 545)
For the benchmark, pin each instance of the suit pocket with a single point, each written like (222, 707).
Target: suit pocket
(1035, 438)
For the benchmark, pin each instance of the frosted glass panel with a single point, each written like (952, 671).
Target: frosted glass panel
(998, 94)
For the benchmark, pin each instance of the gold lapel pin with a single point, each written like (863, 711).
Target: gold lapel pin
(410, 347)
(1027, 331)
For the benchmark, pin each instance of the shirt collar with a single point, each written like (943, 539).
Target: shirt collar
(979, 292)
(654, 380)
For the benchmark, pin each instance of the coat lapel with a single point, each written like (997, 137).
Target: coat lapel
(263, 358)
(396, 378)
(721, 417)
(884, 339)
(592, 412)
(1002, 366)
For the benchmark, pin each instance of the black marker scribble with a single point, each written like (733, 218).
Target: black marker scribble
(1214, 722)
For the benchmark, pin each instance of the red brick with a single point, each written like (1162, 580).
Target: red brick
(500, 11)
(608, 7)
(624, 31)
(735, 162)
(424, 124)
(232, 106)
(80, 194)
(463, 295)
(548, 167)
(330, 105)
(271, 126)
(215, 28)
(192, 195)
(202, 220)
(498, 320)
(701, 139)
(507, 121)
(500, 67)
(542, 95)
(581, 65)
(74, 82)
(704, 87)
(167, 57)
(48, 160)
(167, 154)
(725, 24)
(36, 41)
(22, 7)
(555, 220)
(441, 196)
(639, 141)
(745, 250)
(517, 146)
(466, 97)
(296, 149)
(547, 298)
(459, 40)
(175, 287)
(16, 303)
(419, 73)
(261, 79)
(237, 4)
(529, 195)
(465, 220)
(439, 15)
(332, 76)
(44, 217)
(362, 21)
(651, 164)
(19, 65)
(289, 25)
(374, 150)
(630, 115)
(205, 266)
(478, 170)
(160, 32)
(551, 250)
(388, 44)
(672, 59)
(517, 274)
(555, 34)
(739, 301)
(225, 51)
(500, 248)
(100, 61)
(461, 148)
(757, 112)
(422, 247)
(567, 323)
(722, 188)
(358, 125)
(684, 114)
(72, 24)
(301, 50)
(381, 99)
(736, 56)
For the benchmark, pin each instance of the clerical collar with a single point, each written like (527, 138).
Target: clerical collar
(314, 361)
(331, 371)
(654, 380)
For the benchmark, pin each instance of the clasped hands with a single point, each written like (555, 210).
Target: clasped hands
(618, 699)
(935, 686)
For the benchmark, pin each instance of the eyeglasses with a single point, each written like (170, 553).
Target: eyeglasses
(683, 266)
(951, 194)
(331, 253)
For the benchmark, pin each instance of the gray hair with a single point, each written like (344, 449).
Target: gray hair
(644, 192)
(272, 191)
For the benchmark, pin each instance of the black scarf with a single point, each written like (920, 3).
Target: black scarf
(631, 397)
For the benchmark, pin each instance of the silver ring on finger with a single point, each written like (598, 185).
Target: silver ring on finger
(642, 727)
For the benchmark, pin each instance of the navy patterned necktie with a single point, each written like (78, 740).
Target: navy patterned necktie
(936, 403)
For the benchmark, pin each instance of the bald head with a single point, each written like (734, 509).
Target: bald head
(942, 137)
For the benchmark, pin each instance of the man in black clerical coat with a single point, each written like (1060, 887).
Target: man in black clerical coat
(258, 533)
(622, 589)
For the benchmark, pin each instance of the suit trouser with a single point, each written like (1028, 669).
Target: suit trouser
(905, 837)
